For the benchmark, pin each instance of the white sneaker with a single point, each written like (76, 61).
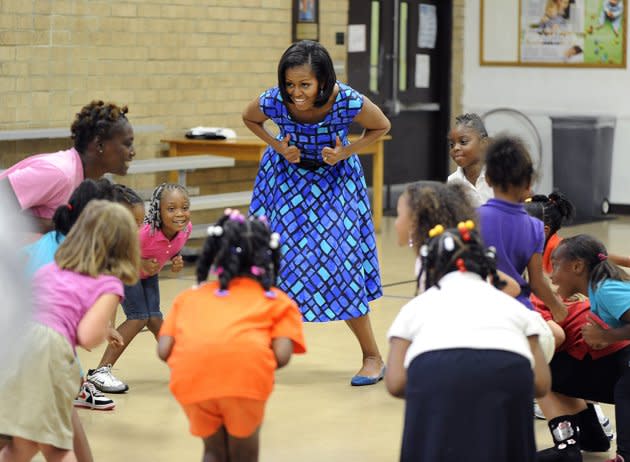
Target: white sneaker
(90, 398)
(604, 422)
(104, 380)
(538, 413)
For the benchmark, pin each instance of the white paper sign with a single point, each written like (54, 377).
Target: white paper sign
(357, 38)
(423, 71)
(427, 29)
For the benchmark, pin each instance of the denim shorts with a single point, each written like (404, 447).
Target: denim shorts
(142, 300)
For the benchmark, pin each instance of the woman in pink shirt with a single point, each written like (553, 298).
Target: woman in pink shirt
(74, 299)
(166, 229)
(103, 143)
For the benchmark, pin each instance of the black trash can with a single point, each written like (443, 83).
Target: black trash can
(582, 162)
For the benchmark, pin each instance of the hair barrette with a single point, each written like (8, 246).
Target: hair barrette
(257, 270)
(274, 240)
(436, 231)
(218, 270)
(602, 256)
(69, 206)
(449, 243)
(529, 199)
(221, 293)
(270, 294)
(215, 231)
(461, 266)
(263, 218)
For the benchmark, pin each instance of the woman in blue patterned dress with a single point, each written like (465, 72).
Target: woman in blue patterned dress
(311, 188)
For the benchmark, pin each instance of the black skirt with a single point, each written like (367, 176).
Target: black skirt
(469, 405)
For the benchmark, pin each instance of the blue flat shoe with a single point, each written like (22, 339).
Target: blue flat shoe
(362, 380)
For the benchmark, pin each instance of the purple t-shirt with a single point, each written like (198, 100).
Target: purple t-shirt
(516, 236)
(62, 297)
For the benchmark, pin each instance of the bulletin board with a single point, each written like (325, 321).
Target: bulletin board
(553, 33)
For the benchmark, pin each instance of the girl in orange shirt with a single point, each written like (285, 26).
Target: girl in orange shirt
(223, 340)
(554, 211)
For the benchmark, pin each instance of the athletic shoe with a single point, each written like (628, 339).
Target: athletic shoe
(538, 413)
(604, 422)
(617, 458)
(104, 380)
(90, 398)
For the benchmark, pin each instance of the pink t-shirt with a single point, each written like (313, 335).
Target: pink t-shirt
(159, 247)
(45, 181)
(62, 297)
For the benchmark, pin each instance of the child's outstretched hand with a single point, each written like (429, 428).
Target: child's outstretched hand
(150, 266)
(178, 264)
(114, 338)
(594, 335)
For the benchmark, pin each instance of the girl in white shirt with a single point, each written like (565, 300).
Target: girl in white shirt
(466, 358)
(467, 142)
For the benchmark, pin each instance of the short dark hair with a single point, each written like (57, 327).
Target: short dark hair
(554, 210)
(66, 215)
(458, 249)
(96, 119)
(237, 246)
(508, 163)
(314, 55)
(472, 121)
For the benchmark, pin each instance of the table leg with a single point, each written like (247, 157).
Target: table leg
(377, 186)
(173, 177)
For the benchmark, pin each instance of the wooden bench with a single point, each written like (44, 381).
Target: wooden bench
(216, 201)
(179, 164)
(64, 132)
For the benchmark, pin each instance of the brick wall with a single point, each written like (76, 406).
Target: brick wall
(177, 63)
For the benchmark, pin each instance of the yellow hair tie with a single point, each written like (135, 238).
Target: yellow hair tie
(436, 231)
(467, 225)
(529, 199)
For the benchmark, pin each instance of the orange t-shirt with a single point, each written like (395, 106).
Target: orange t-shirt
(222, 344)
(552, 243)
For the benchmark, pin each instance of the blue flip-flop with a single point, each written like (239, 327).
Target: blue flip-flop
(362, 380)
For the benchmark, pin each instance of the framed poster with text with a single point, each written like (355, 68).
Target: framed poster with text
(553, 33)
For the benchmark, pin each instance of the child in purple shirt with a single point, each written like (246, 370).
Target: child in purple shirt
(74, 299)
(519, 239)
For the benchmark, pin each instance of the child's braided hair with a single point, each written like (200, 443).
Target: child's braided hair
(96, 119)
(239, 246)
(457, 249)
(153, 216)
(554, 210)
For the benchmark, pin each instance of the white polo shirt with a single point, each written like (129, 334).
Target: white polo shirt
(466, 312)
(480, 192)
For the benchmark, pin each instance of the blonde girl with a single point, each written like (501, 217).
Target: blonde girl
(74, 299)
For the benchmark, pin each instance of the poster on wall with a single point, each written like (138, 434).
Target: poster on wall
(573, 32)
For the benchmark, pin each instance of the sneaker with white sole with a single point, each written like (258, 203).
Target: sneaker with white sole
(90, 398)
(104, 380)
(538, 413)
(604, 422)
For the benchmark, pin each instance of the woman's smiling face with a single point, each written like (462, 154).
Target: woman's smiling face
(302, 86)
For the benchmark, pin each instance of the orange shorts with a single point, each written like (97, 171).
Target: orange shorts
(240, 416)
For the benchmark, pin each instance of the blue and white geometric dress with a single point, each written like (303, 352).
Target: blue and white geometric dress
(329, 264)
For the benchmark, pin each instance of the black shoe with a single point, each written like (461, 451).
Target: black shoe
(566, 436)
(592, 435)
